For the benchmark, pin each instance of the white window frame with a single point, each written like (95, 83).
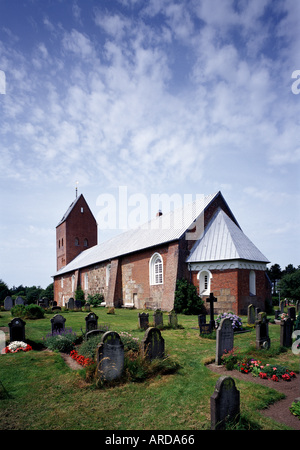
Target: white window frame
(108, 269)
(204, 277)
(86, 281)
(156, 270)
(252, 282)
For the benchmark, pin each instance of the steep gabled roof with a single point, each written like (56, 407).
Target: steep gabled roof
(224, 240)
(160, 230)
(67, 213)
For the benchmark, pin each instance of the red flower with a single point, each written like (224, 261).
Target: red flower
(263, 375)
(274, 378)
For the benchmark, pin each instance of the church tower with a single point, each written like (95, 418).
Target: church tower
(76, 232)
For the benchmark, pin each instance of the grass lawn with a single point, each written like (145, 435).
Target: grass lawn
(44, 393)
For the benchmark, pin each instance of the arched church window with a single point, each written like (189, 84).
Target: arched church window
(76, 242)
(85, 243)
(108, 269)
(156, 269)
(204, 278)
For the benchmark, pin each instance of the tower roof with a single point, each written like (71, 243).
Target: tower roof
(224, 240)
(67, 213)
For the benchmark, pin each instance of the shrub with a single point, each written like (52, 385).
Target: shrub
(62, 341)
(130, 342)
(27, 311)
(295, 409)
(95, 299)
(79, 295)
(187, 301)
(235, 320)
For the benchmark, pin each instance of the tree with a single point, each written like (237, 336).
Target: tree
(187, 301)
(4, 291)
(275, 274)
(290, 285)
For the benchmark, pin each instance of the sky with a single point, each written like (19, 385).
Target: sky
(146, 97)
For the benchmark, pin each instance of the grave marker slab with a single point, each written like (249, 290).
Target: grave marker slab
(286, 331)
(71, 303)
(251, 315)
(8, 303)
(143, 320)
(57, 323)
(224, 403)
(262, 331)
(153, 344)
(17, 330)
(292, 312)
(158, 318)
(224, 339)
(110, 356)
(91, 321)
(172, 319)
(19, 301)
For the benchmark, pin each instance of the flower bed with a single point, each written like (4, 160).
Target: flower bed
(233, 360)
(17, 346)
(85, 362)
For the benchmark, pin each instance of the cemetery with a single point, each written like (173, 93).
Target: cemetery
(149, 370)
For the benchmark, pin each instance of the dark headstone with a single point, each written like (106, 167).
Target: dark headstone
(158, 318)
(292, 312)
(93, 333)
(205, 328)
(71, 303)
(91, 321)
(78, 304)
(17, 330)
(282, 305)
(110, 356)
(153, 344)
(224, 339)
(224, 403)
(57, 323)
(143, 320)
(286, 331)
(262, 332)
(277, 312)
(257, 311)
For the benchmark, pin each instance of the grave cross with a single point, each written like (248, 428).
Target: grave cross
(211, 300)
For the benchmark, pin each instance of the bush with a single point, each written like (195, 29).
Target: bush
(62, 341)
(235, 320)
(28, 311)
(95, 299)
(295, 409)
(187, 301)
(79, 295)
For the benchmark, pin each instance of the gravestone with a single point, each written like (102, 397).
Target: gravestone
(292, 312)
(57, 323)
(286, 331)
(224, 403)
(224, 339)
(257, 311)
(8, 303)
(172, 319)
(298, 306)
(78, 304)
(153, 344)
(262, 331)
(87, 307)
(91, 321)
(251, 315)
(71, 303)
(19, 301)
(93, 333)
(211, 300)
(277, 312)
(201, 319)
(282, 305)
(158, 318)
(143, 320)
(110, 356)
(56, 308)
(17, 330)
(205, 328)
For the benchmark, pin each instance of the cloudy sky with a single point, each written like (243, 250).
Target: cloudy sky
(159, 96)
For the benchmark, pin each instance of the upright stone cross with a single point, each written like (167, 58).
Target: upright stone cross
(211, 300)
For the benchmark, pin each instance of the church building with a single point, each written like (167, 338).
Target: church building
(202, 243)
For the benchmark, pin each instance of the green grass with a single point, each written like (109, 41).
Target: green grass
(39, 391)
